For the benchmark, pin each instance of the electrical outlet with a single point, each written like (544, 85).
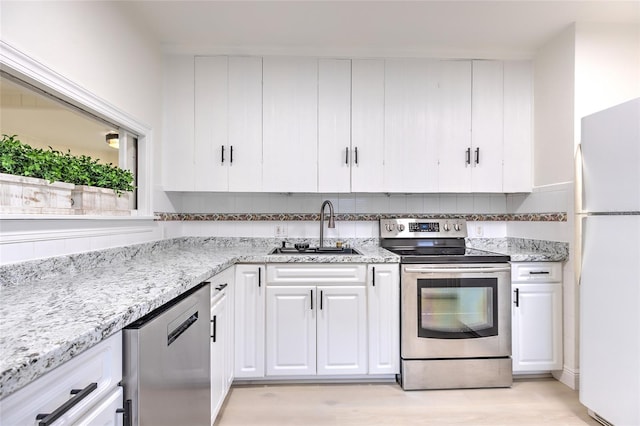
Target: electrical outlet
(280, 230)
(479, 231)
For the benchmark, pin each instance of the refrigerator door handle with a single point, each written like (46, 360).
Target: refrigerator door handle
(578, 204)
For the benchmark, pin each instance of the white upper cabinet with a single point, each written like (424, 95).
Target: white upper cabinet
(334, 125)
(367, 125)
(487, 126)
(290, 124)
(518, 123)
(178, 129)
(454, 125)
(228, 124)
(410, 144)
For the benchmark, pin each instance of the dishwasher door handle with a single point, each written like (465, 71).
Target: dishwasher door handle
(173, 335)
(465, 270)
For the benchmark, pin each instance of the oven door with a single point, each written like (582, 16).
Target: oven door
(456, 311)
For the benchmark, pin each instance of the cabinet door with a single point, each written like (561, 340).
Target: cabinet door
(334, 125)
(383, 289)
(210, 124)
(367, 125)
(342, 330)
(249, 321)
(518, 128)
(291, 331)
(410, 145)
(454, 126)
(178, 131)
(245, 124)
(218, 354)
(486, 126)
(290, 124)
(537, 327)
(225, 280)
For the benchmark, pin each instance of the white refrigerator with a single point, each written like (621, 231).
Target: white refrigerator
(608, 227)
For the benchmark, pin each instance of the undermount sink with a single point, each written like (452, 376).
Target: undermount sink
(315, 250)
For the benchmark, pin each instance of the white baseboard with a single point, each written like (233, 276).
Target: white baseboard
(569, 377)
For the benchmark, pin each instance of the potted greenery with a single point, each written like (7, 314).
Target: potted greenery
(66, 181)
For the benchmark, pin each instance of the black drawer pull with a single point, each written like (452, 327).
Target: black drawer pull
(78, 395)
(538, 272)
(222, 286)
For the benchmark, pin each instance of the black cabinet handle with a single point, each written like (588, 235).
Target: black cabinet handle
(346, 155)
(468, 156)
(259, 277)
(222, 153)
(321, 299)
(373, 276)
(126, 413)
(312, 299)
(79, 394)
(477, 155)
(231, 154)
(538, 272)
(214, 321)
(517, 301)
(222, 286)
(356, 154)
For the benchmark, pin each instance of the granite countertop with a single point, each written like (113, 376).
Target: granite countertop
(56, 308)
(53, 309)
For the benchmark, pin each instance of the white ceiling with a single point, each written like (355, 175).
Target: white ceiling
(448, 28)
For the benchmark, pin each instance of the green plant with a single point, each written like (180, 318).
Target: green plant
(17, 158)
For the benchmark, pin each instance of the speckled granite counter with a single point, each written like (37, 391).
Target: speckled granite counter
(523, 250)
(55, 308)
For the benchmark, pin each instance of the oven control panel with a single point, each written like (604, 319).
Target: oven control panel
(423, 228)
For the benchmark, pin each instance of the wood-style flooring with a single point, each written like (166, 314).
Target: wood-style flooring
(528, 402)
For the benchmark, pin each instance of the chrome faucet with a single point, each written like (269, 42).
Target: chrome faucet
(332, 221)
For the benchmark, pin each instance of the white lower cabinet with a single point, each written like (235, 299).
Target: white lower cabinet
(536, 316)
(383, 297)
(221, 334)
(316, 320)
(91, 378)
(249, 303)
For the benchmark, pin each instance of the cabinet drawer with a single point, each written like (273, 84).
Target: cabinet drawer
(316, 274)
(101, 364)
(536, 272)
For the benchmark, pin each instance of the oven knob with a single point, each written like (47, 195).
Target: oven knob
(456, 226)
(446, 227)
(400, 227)
(389, 227)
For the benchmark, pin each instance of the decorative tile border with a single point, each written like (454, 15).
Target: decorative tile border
(473, 217)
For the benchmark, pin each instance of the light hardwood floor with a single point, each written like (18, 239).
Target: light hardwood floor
(528, 402)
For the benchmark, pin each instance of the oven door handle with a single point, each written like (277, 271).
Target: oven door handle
(457, 270)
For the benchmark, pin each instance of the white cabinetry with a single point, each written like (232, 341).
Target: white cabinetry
(410, 119)
(383, 297)
(367, 125)
(228, 123)
(91, 379)
(334, 125)
(518, 131)
(316, 320)
(290, 124)
(249, 296)
(178, 130)
(221, 337)
(536, 316)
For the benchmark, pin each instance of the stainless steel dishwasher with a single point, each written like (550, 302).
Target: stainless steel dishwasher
(167, 363)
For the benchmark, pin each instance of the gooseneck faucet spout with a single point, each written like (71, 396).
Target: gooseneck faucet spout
(332, 222)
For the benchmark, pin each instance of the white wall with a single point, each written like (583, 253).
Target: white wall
(607, 67)
(554, 110)
(96, 46)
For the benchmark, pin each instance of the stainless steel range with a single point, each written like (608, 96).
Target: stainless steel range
(455, 306)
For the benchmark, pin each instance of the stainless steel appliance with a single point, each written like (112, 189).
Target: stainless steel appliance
(455, 306)
(167, 363)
